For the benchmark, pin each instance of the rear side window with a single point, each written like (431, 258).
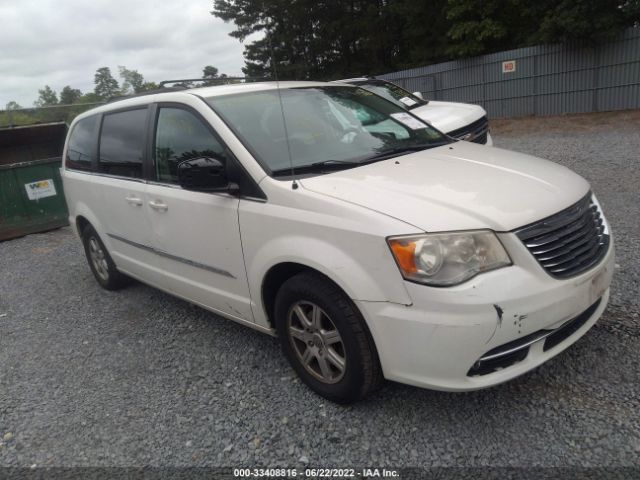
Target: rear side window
(122, 143)
(181, 136)
(81, 147)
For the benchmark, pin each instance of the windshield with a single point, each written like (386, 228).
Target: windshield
(333, 125)
(393, 93)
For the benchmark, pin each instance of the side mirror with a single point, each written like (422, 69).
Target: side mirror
(203, 174)
(418, 94)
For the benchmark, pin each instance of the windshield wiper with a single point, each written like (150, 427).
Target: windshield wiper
(330, 165)
(325, 163)
(315, 167)
(397, 151)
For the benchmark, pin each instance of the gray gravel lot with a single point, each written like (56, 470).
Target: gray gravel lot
(136, 377)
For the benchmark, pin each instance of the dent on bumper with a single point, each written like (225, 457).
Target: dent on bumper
(434, 342)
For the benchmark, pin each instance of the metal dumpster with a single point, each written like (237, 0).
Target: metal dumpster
(31, 196)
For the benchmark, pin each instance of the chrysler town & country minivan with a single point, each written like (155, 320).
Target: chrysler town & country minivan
(370, 243)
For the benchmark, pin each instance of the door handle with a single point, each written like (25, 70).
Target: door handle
(158, 205)
(133, 200)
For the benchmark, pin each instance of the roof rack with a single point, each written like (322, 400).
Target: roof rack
(163, 88)
(116, 98)
(215, 80)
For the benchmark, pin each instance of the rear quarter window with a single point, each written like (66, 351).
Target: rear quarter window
(82, 143)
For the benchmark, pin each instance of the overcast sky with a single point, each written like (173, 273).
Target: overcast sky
(63, 42)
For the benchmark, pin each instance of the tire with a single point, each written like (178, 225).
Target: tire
(309, 310)
(101, 263)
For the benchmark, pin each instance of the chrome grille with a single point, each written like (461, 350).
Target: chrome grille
(569, 242)
(474, 132)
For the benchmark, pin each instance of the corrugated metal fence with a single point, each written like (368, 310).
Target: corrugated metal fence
(542, 80)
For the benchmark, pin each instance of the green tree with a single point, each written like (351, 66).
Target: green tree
(421, 32)
(311, 39)
(484, 26)
(589, 21)
(69, 96)
(132, 81)
(46, 97)
(13, 105)
(209, 72)
(278, 20)
(90, 97)
(343, 38)
(212, 73)
(105, 85)
(146, 86)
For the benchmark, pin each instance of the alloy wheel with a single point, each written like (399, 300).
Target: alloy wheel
(98, 259)
(316, 342)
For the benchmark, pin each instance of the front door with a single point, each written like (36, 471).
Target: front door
(196, 233)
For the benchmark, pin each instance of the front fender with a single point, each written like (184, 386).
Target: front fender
(375, 282)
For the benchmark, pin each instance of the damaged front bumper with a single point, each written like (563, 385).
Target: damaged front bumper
(490, 329)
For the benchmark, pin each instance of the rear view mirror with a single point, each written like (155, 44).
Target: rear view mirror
(418, 94)
(204, 174)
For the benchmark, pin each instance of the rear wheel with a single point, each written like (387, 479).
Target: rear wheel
(100, 262)
(324, 337)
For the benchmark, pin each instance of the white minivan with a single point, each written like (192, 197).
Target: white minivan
(370, 243)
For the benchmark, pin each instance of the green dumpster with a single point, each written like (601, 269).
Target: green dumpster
(31, 196)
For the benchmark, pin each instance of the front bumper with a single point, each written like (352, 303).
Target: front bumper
(437, 340)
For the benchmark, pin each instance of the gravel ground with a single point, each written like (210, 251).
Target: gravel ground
(136, 377)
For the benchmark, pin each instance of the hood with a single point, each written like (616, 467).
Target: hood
(449, 116)
(457, 187)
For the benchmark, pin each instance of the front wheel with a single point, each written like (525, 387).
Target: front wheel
(324, 337)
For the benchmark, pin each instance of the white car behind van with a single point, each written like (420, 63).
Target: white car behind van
(463, 121)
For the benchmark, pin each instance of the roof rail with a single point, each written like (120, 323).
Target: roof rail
(163, 88)
(215, 80)
(116, 98)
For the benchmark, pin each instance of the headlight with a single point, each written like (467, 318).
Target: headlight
(444, 259)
